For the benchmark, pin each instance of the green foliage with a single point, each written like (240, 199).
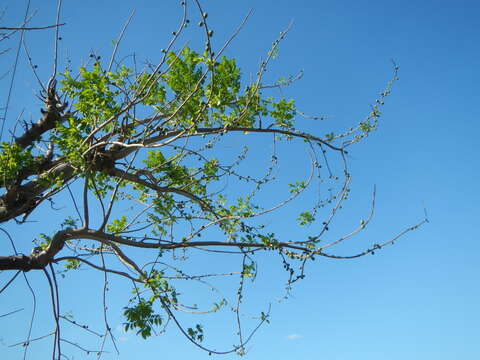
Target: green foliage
(210, 168)
(72, 264)
(149, 89)
(13, 159)
(362, 224)
(142, 318)
(185, 78)
(283, 113)
(161, 288)
(305, 218)
(249, 270)
(117, 225)
(171, 172)
(196, 333)
(330, 136)
(225, 85)
(234, 212)
(69, 222)
(264, 317)
(95, 93)
(44, 241)
(219, 305)
(185, 74)
(96, 99)
(297, 187)
(268, 240)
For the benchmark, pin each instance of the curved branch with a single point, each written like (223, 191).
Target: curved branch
(126, 150)
(39, 259)
(306, 251)
(160, 189)
(31, 28)
(121, 273)
(22, 199)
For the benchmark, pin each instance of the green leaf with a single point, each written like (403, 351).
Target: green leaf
(305, 218)
(117, 225)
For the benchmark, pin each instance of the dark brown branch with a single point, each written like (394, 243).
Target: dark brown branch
(301, 135)
(39, 259)
(31, 28)
(120, 273)
(52, 115)
(107, 238)
(22, 199)
(18, 262)
(126, 150)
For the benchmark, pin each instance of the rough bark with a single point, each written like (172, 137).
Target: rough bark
(39, 258)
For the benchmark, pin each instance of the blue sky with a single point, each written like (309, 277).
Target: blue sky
(415, 300)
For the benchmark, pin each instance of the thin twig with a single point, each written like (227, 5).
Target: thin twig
(31, 28)
(57, 38)
(12, 80)
(117, 43)
(11, 312)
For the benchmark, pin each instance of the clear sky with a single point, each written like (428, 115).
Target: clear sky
(415, 300)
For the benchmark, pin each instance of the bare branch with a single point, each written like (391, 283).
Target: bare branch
(32, 28)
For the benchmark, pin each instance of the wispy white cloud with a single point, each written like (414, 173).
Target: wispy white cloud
(121, 329)
(123, 334)
(294, 336)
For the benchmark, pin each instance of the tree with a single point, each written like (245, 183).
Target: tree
(139, 155)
